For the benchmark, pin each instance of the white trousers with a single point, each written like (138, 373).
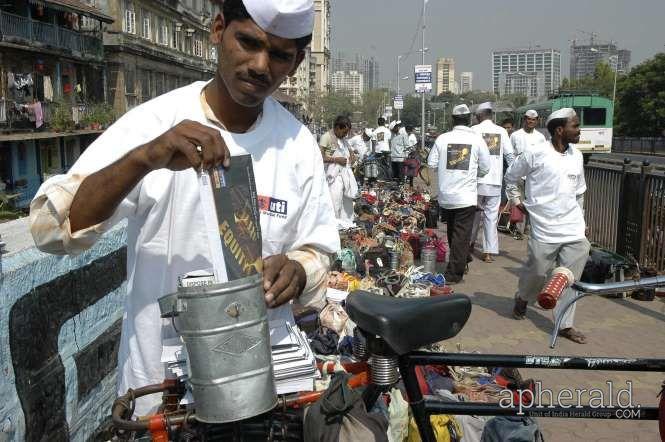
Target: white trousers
(541, 259)
(342, 206)
(488, 214)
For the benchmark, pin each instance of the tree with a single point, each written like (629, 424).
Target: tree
(641, 99)
(516, 100)
(601, 82)
(374, 102)
(327, 107)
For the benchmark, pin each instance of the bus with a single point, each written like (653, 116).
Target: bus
(596, 114)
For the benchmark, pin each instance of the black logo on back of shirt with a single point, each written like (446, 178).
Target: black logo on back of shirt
(459, 156)
(493, 142)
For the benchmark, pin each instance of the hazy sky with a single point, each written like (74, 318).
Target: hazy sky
(469, 30)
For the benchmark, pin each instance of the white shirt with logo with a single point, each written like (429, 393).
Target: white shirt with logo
(166, 231)
(460, 157)
(498, 144)
(381, 138)
(554, 181)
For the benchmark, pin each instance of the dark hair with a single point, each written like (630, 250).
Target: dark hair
(235, 10)
(557, 122)
(409, 128)
(462, 120)
(508, 120)
(381, 121)
(342, 121)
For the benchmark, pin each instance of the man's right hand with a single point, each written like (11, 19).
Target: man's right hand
(188, 144)
(341, 161)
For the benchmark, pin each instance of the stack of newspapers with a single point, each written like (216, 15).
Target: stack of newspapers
(294, 365)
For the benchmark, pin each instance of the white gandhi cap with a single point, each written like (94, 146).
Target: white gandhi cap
(531, 113)
(283, 18)
(369, 132)
(566, 113)
(486, 106)
(461, 109)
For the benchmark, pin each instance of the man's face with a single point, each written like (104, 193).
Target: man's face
(341, 131)
(508, 127)
(251, 62)
(530, 122)
(571, 131)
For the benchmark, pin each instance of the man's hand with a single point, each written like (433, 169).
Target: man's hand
(283, 279)
(341, 161)
(188, 144)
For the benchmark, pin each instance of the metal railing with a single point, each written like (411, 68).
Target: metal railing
(641, 145)
(34, 31)
(625, 210)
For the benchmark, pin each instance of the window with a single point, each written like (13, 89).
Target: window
(198, 48)
(146, 93)
(594, 116)
(129, 24)
(145, 32)
(164, 33)
(213, 53)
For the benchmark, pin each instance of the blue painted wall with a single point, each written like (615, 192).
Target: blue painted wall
(59, 331)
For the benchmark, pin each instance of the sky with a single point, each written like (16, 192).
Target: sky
(469, 30)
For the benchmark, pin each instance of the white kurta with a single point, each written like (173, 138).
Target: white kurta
(460, 157)
(554, 182)
(500, 148)
(339, 178)
(522, 140)
(166, 233)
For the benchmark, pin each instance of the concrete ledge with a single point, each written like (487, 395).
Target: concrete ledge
(59, 332)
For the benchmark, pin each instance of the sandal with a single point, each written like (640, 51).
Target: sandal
(519, 310)
(488, 258)
(573, 335)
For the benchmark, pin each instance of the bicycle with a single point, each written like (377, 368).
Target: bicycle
(388, 335)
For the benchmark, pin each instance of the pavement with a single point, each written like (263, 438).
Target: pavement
(615, 327)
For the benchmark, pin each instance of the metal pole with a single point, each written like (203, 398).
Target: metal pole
(443, 124)
(398, 58)
(422, 107)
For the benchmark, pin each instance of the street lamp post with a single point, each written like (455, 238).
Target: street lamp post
(422, 107)
(399, 57)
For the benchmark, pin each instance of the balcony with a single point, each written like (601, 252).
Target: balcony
(15, 28)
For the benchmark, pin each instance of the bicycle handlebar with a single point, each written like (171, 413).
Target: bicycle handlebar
(563, 278)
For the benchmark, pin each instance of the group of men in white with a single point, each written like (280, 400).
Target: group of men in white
(544, 179)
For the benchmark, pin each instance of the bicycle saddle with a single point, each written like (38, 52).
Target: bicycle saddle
(408, 324)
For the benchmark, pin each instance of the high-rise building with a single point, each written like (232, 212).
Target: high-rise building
(298, 86)
(367, 66)
(445, 75)
(532, 72)
(321, 46)
(585, 58)
(466, 82)
(350, 82)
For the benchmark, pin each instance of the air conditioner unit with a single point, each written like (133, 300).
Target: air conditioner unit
(178, 26)
(190, 31)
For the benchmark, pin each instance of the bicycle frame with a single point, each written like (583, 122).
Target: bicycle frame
(422, 407)
(584, 289)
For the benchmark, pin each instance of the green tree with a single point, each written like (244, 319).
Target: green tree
(640, 109)
(516, 100)
(411, 114)
(373, 105)
(601, 82)
(326, 107)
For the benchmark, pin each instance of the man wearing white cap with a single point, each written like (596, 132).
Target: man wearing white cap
(489, 186)
(522, 140)
(399, 145)
(381, 139)
(144, 169)
(555, 189)
(460, 156)
(527, 136)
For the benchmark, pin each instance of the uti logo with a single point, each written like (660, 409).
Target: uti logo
(272, 205)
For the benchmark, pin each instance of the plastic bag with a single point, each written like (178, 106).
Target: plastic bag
(334, 317)
(398, 410)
